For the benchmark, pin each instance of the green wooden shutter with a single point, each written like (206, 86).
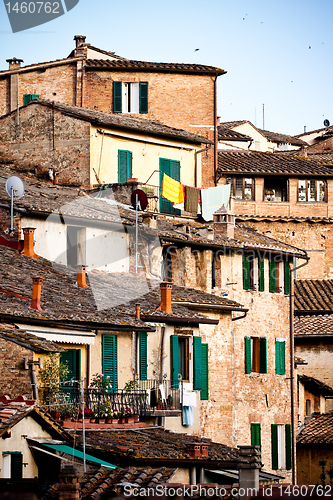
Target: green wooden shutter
(109, 359)
(26, 99)
(16, 465)
(274, 446)
(69, 358)
(117, 97)
(143, 355)
(246, 272)
(262, 355)
(272, 276)
(35, 96)
(124, 165)
(286, 278)
(288, 447)
(280, 357)
(248, 357)
(172, 169)
(174, 348)
(256, 435)
(204, 372)
(197, 365)
(143, 97)
(261, 271)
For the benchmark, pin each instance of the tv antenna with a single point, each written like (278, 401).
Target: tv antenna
(14, 188)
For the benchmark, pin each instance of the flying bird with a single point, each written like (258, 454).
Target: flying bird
(309, 46)
(195, 50)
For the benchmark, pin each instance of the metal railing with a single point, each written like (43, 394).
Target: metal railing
(153, 196)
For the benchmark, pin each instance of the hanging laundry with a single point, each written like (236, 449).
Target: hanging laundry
(212, 199)
(188, 417)
(172, 190)
(191, 199)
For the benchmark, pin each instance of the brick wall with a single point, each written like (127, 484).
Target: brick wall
(53, 141)
(14, 379)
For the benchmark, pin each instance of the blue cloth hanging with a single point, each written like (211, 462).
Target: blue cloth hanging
(188, 418)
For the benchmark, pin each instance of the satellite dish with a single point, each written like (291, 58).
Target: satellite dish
(326, 123)
(141, 197)
(15, 186)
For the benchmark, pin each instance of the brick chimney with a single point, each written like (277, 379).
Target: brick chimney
(28, 245)
(224, 222)
(166, 288)
(69, 483)
(79, 40)
(36, 292)
(14, 63)
(81, 276)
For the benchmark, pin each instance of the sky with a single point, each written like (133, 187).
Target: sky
(278, 55)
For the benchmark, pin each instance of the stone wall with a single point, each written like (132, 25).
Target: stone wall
(14, 379)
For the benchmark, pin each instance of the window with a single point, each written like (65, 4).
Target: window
(180, 362)
(275, 190)
(281, 446)
(253, 273)
(256, 435)
(76, 245)
(72, 359)
(312, 190)
(172, 169)
(280, 356)
(242, 188)
(143, 363)
(308, 408)
(279, 275)
(124, 165)
(109, 359)
(130, 97)
(255, 355)
(12, 464)
(29, 97)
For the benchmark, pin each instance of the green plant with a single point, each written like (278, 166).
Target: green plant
(53, 373)
(101, 382)
(131, 385)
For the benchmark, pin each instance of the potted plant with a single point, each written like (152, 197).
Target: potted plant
(50, 378)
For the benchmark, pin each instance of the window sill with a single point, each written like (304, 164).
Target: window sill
(311, 202)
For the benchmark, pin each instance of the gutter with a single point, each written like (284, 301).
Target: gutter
(214, 307)
(176, 320)
(196, 180)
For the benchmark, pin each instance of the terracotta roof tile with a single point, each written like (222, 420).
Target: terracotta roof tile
(317, 430)
(275, 137)
(314, 296)
(25, 339)
(315, 386)
(320, 325)
(254, 162)
(229, 134)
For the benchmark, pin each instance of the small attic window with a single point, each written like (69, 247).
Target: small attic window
(29, 97)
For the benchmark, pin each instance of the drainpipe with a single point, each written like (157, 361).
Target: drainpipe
(215, 130)
(291, 340)
(196, 180)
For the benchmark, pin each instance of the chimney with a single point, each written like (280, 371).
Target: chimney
(166, 288)
(79, 40)
(137, 311)
(14, 63)
(36, 292)
(224, 222)
(28, 245)
(81, 276)
(69, 483)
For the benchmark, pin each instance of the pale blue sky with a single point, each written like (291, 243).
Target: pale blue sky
(263, 46)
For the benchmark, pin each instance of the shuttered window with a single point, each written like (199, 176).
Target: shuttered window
(143, 355)
(280, 356)
(174, 348)
(124, 165)
(261, 270)
(29, 97)
(12, 465)
(130, 97)
(272, 276)
(172, 169)
(143, 97)
(117, 97)
(281, 446)
(204, 394)
(256, 435)
(72, 359)
(246, 272)
(197, 364)
(109, 359)
(287, 278)
(255, 354)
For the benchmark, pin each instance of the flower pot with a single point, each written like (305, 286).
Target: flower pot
(55, 414)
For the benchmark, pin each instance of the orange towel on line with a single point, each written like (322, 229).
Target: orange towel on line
(172, 190)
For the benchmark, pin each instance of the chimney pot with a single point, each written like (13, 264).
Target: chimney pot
(81, 276)
(14, 63)
(79, 40)
(36, 292)
(224, 222)
(166, 288)
(28, 245)
(137, 311)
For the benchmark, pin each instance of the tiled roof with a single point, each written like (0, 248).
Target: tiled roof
(120, 121)
(25, 339)
(229, 134)
(275, 137)
(11, 414)
(255, 162)
(315, 386)
(317, 430)
(235, 123)
(130, 65)
(313, 296)
(313, 131)
(151, 445)
(282, 218)
(32, 67)
(314, 324)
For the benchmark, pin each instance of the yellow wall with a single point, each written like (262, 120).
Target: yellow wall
(104, 157)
